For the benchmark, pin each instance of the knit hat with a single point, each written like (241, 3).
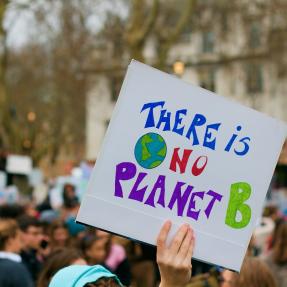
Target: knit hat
(79, 275)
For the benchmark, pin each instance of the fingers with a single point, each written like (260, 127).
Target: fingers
(181, 247)
(178, 239)
(189, 252)
(161, 240)
(185, 246)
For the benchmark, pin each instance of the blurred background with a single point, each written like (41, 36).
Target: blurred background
(62, 63)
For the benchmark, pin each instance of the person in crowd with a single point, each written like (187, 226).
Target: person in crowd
(277, 257)
(12, 272)
(69, 211)
(76, 230)
(57, 260)
(70, 202)
(59, 235)
(85, 276)
(31, 236)
(174, 261)
(116, 258)
(143, 264)
(12, 211)
(272, 239)
(94, 249)
(254, 273)
(253, 249)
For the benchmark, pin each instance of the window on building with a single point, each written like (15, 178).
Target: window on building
(185, 36)
(208, 40)
(207, 79)
(255, 35)
(254, 79)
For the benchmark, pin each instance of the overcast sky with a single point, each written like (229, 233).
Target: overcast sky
(22, 26)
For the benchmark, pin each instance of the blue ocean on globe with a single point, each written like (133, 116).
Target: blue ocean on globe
(150, 150)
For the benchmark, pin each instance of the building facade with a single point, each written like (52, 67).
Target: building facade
(238, 54)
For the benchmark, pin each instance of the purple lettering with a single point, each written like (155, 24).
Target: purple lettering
(179, 198)
(215, 196)
(138, 194)
(159, 184)
(190, 212)
(124, 171)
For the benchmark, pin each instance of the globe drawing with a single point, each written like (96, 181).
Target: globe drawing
(150, 150)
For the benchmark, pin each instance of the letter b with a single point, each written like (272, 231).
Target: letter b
(239, 193)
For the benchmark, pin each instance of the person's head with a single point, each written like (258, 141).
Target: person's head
(59, 234)
(280, 245)
(11, 211)
(75, 229)
(32, 232)
(254, 272)
(85, 276)
(277, 222)
(59, 259)
(10, 240)
(103, 282)
(272, 211)
(69, 196)
(106, 237)
(94, 249)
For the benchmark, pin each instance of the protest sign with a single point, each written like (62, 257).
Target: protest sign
(176, 151)
(3, 180)
(19, 164)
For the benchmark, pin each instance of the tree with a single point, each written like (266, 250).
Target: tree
(46, 84)
(163, 21)
(169, 28)
(141, 22)
(3, 65)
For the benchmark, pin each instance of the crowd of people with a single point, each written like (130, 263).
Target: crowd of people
(38, 241)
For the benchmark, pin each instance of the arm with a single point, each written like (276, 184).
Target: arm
(174, 261)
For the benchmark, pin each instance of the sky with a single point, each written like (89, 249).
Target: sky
(22, 27)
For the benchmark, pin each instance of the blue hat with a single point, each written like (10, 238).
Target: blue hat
(79, 275)
(74, 227)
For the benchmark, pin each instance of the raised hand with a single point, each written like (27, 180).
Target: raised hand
(174, 261)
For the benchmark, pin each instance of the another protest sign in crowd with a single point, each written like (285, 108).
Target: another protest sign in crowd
(38, 240)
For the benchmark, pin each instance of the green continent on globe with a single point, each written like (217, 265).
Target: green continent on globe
(150, 150)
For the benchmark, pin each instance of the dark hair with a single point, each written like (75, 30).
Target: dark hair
(278, 223)
(87, 242)
(57, 260)
(106, 282)
(11, 211)
(69, 202)
(8, 229)
(26, 221)
(56, 225)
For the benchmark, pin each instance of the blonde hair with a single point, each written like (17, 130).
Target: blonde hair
(8, 229)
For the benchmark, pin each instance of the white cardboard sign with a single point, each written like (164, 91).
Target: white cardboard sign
(176, 151)
(19, 164)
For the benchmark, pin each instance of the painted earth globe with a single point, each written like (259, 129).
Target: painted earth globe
(150, 150)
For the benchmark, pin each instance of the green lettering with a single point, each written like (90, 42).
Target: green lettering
(239, 193)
